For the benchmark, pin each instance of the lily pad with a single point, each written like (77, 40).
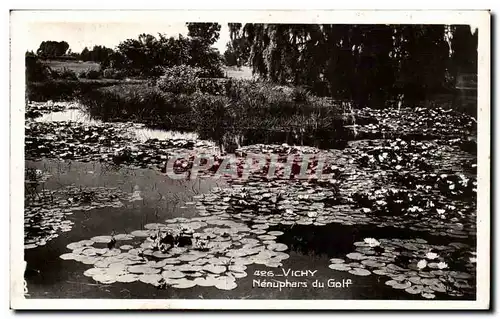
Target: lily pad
(68, 256)
(127, 278)
(277, 247)
(214, 269)
(173, 274)
(359, 272)
(339, 267)
(152, 279)
(225, 283)
(143, 269)
(415, 289)
(101, 239)
(184, 284)
(141, 233)
(356, 256)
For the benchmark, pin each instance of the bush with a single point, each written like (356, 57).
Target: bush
(111, 73)
(139, 102)
(35, 69)
(179, 79)
(212, 86)
(64, 74)
(61, 90)
(91, 74)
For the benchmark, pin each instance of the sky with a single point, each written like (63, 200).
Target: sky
(83, 34)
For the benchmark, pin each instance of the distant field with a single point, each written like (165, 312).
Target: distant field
(244, 72)
(76, 66)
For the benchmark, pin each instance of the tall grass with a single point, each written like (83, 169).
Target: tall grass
(244, 105)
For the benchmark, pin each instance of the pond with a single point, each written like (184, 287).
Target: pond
(395, 219)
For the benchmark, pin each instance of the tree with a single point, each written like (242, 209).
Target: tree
(464, 50)
(208, 32)
(85, 54)
(237, 49)
(51, 49)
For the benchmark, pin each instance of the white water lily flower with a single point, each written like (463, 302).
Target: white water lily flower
(440, 211)
(398, 167)
(452, 186)
(442, 265)
(431, 255)
(372, 242)
(422, 264)
(472, 259)
(312, 214)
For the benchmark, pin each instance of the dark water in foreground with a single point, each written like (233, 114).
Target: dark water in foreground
(310, 247)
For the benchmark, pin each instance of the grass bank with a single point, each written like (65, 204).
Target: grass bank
(66, 90)
(241, 106)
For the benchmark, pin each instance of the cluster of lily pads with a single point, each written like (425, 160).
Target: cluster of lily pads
(109, 142)
(414, 266)
(46, 213)
(181, 253)
(36, 109)
(416, 123)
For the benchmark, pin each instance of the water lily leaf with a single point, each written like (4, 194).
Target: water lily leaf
(277, 247)
(258, 231)
(215, 269)
(439, 287)
(127, 278)
(143, 269)
(189, 268)
(275, 233)
(184, 284)
(414, 290)
(237, 268)
(372, 263)
(94, 271)
(339, 267)
(428, 295)
(415, 280)
(68, 256)
(189, 257)
(359, 272)
(205, 282)
(79, 244)
(380, 272)
(101, 239)
(158, 254)
(225, 283)
(152, 279)
(123, 237)
(460, 275)
(462, 284)
(141, 233)
(337, 261)
(355, 256)
(400, 285)
(126, 247)
(173, 274)
(104, 278)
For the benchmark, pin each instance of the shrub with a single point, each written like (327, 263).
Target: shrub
(91, 74)
(111, 73)
(64, 74)
(179, 79)
(139, 102)
(60, 90)
(35, 69)
(212, 86)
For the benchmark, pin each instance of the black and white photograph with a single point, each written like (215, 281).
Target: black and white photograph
(209, 160)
